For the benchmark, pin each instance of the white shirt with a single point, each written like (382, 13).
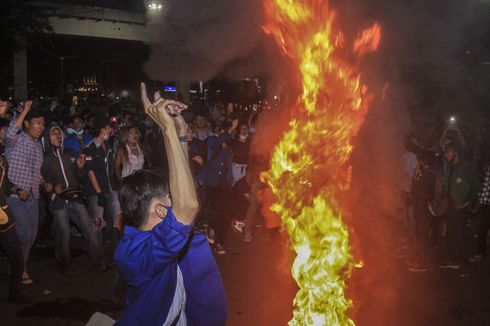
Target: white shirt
(178, 303)
(134, 162)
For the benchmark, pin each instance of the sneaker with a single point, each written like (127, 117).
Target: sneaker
(417, 268)
(26, 279)
(238, 226)
(475, 258)
(210, 234)
(69, 271)
(449, 265)
(75, 232)
(247, 237)
(220, 250)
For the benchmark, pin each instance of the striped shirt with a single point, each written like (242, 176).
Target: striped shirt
(25, 158)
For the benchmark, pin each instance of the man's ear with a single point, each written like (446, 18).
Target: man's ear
(160, 210)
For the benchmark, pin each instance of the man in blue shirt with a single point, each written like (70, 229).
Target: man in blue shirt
(170, 271)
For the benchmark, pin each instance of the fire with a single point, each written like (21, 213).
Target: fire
(310, 165)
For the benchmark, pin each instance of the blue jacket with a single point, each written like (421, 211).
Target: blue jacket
(148, 260)
(73, 143)
(210, 174)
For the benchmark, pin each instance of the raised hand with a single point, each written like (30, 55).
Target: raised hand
(159, 111)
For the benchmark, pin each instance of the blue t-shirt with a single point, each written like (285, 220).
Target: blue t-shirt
(147, 261)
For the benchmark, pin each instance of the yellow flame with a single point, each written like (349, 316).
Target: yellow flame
(309, 167)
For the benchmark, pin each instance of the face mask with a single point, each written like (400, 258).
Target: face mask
(253, 130)
(74, 132)
(106, 137)
(243, 137)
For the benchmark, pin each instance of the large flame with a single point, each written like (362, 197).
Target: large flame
(310, 165)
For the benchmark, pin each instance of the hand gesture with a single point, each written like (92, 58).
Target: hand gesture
(159, 110)
(27, 106)
(58, 189)
(48, 187)
(234, 125)
(81, 162)
(198, 159)
(23, 194)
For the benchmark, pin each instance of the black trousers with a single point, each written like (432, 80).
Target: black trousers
(483, 228)
(457, 234)
(9, 241)
(220, 211)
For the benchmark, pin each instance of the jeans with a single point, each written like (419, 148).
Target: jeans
(457, 235)
(77, 213)
(9, 241)
(26, 215)
(112, 214)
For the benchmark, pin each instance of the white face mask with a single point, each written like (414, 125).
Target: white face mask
(253, 130)
(106, 137)
(243, 137)
(74, 132)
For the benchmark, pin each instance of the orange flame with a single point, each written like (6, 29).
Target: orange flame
(310, 165)
(368, 40)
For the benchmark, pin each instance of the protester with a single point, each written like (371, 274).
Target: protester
(9, 241)
(62, 168)
(130, 156)
(77, 139)
(99, 182)
(217, 177)
(165, 279)
(483, 213)
(3, 129)
(463, 186)
(423, 190)
(25, 157)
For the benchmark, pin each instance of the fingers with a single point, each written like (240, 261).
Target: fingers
(144, 97)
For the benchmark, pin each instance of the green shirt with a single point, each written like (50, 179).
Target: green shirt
(463, 184)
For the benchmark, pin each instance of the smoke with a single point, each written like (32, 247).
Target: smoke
(198, 40)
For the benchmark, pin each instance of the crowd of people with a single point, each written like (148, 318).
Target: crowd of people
(65, 165)
(446, 194)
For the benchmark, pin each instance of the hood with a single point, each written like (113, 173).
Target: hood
(62, 135)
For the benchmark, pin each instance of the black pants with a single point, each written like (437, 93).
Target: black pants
(457, 234)
(422, 220)
(483, 228)
(9, 241)
(220, 211)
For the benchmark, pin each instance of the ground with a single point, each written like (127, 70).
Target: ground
(260, 290)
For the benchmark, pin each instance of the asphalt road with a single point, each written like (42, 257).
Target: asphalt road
(260, 290)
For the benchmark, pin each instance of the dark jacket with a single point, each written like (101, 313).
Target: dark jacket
(101, 162)
(6, 188)
(462, 184)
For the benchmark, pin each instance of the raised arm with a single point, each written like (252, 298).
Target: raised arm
(181, 183)
(13, 128)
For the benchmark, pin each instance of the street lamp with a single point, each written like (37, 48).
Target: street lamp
(154, 5)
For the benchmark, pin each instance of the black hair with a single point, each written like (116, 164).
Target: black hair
(34, 113)
(452, 146)
(136, 194)
(4, 123)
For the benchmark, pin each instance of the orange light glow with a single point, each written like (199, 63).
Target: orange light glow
(310, 164)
